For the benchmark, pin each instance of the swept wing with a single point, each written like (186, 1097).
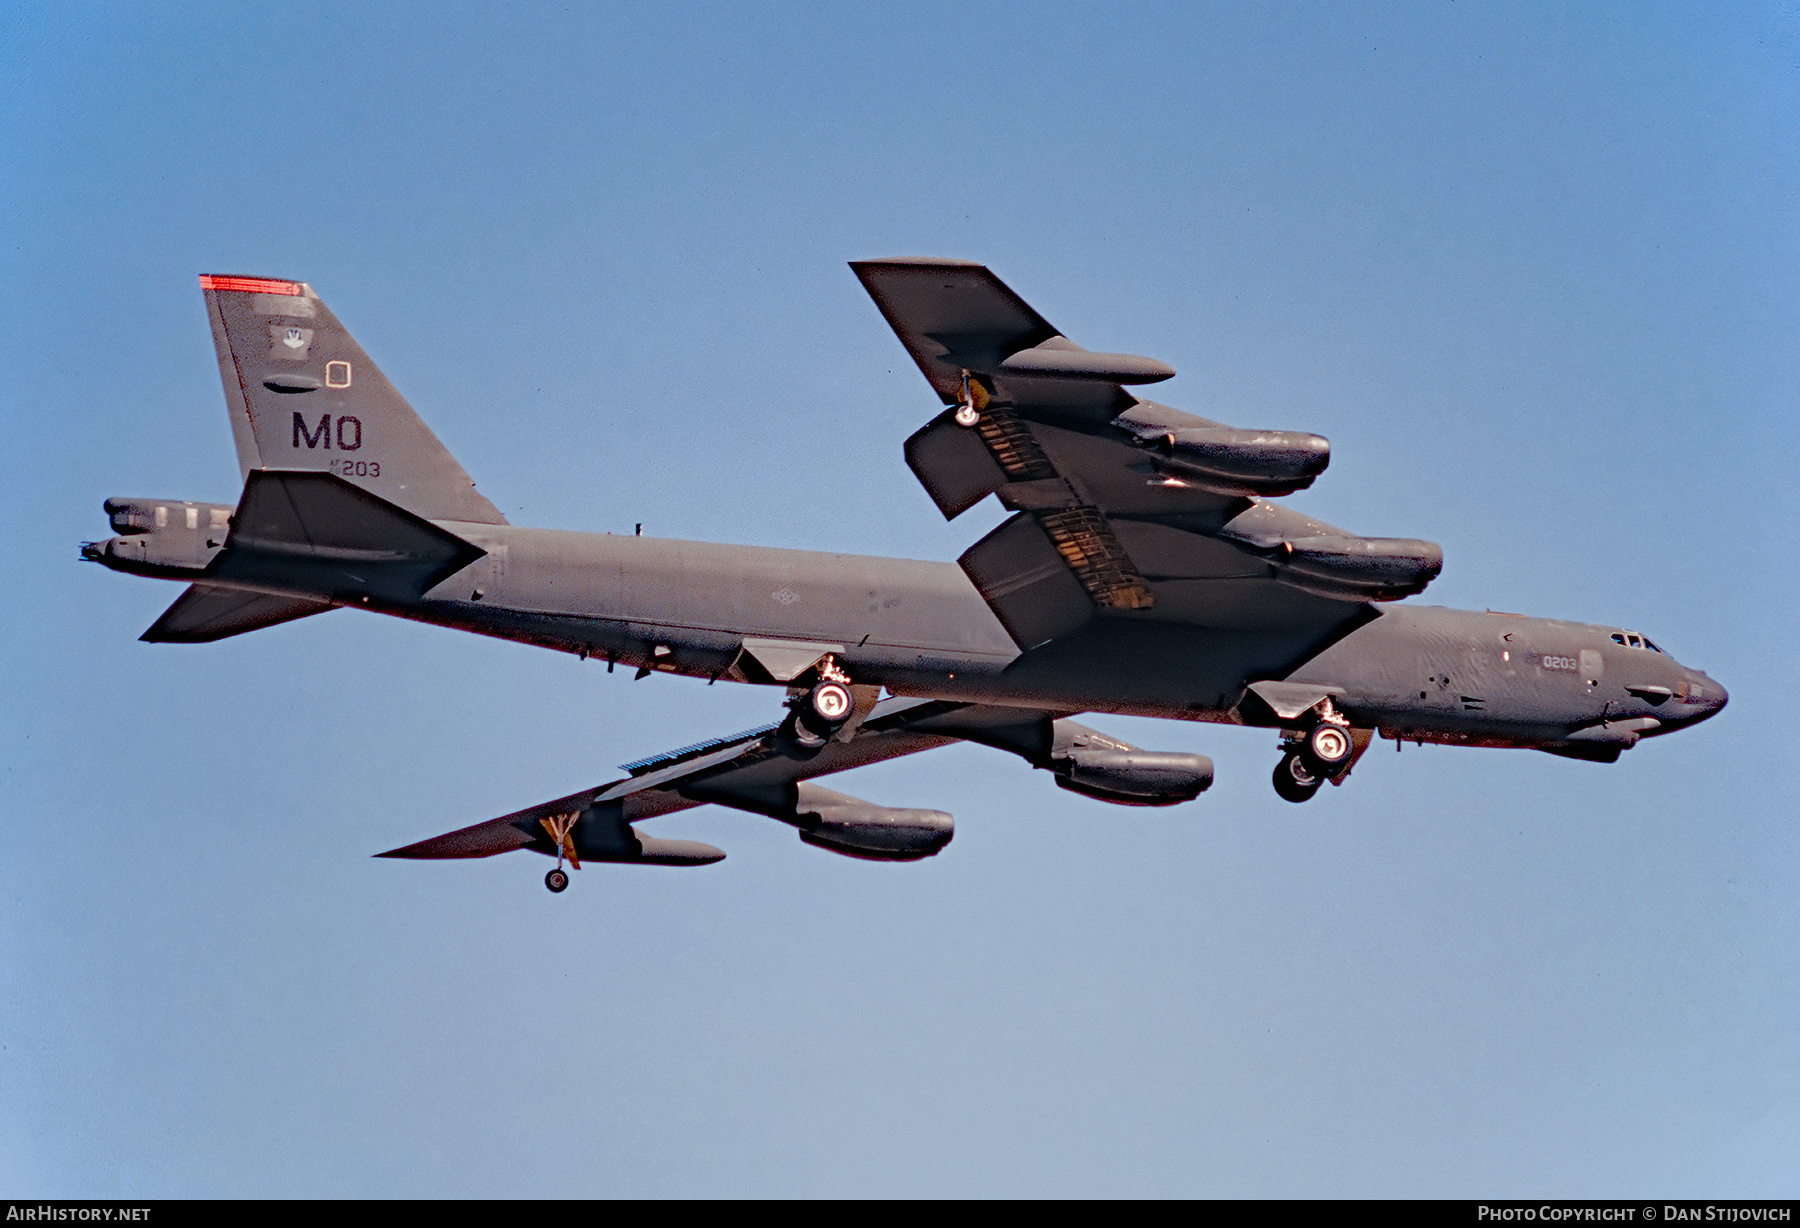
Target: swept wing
(758, 771)
(1123, 507)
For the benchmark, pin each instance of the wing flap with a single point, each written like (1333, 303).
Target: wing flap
(1027, 583)
(954, 466)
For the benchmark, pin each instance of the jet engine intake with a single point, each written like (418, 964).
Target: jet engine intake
(1360, 568)
(1134, 777)
(1241, 462)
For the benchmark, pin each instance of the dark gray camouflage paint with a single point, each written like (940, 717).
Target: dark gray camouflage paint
(1245, 590)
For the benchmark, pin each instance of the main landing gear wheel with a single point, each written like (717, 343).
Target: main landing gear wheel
(1295, 781)
(557, 880)
(819, 715)
(1328, 747)
(831, 703)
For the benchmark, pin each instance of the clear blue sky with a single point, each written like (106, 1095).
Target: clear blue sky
(1531, 267)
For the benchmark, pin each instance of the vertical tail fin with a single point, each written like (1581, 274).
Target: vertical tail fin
(303, 395)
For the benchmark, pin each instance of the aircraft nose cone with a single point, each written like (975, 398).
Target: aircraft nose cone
(1713, 701)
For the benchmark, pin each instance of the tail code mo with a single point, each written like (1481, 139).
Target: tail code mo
(349, 432)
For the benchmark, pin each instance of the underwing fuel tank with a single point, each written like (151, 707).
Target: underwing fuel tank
(1135, 777)
(1243, 462)
(1069, 361)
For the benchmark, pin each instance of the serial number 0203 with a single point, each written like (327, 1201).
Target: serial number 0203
(355, 469)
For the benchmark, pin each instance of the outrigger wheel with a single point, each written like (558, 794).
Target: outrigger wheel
(971, 402)
(561, 828)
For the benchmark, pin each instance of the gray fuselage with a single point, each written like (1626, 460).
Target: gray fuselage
(921, 628)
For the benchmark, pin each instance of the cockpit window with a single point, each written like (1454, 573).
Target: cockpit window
(1652, 647)
(1632, 639)
(1618, 638)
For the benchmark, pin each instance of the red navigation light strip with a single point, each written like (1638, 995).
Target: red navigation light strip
(249, 285)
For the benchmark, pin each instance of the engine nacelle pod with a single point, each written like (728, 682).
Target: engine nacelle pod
(1361, 568)
(855, 828)
(1134, 777)
(1243, 462)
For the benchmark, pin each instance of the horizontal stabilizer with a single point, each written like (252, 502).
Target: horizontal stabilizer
(207, 612)
(318, 533)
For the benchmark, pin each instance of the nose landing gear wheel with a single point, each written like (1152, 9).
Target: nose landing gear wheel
(557, 880)
(1294, 780)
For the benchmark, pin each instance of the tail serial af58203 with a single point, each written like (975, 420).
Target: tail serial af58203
(1145, 569)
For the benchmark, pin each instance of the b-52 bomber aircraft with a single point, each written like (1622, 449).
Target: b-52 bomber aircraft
(1145, 569)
